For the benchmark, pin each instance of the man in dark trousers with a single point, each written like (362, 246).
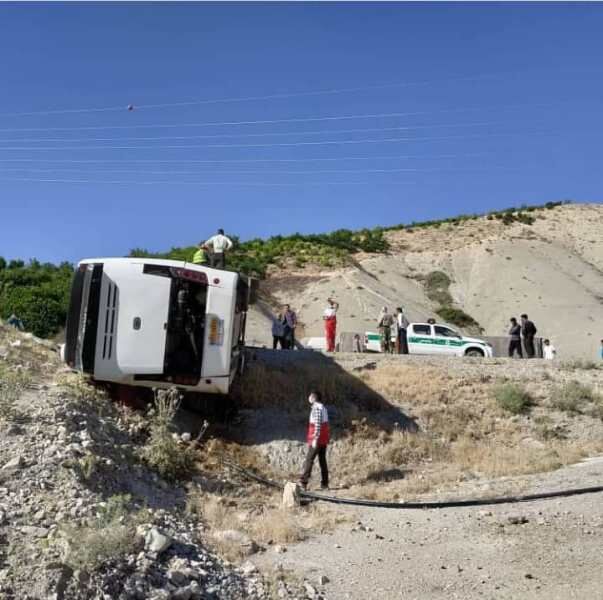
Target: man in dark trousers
(515, 341)
(401, 325)
(290, 321)
(528, 331)
(318, 439)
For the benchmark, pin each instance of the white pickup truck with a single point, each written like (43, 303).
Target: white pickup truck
(426, 338)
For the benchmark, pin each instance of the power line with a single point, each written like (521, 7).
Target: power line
(268, 134)
(244, 160)
(278, 144)
(286, 120)
(202, 183)
(261, 172)
(275, 96)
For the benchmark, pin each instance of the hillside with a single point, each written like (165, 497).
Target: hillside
(473, 272)
(551, 269)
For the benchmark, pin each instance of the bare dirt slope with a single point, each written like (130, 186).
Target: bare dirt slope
(552, 270)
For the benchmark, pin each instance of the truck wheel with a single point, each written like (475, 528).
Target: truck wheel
(474, 352)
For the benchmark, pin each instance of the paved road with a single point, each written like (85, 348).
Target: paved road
(466, 553)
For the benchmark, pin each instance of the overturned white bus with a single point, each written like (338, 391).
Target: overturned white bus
(157, 323)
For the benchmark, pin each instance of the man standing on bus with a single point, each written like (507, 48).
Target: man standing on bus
(200, 256)
(219, 244)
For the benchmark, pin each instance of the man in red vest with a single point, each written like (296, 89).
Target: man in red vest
(318, 440)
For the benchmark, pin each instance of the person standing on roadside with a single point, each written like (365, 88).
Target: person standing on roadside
(548, 350)
(318, 439)
(515, 341)
(385, 323)
(401, 327)
(220, 244)
(330, 318)
(278, 332)
(290, 319)
(528, 331)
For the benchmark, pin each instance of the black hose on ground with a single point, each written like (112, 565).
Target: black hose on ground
(421, 505)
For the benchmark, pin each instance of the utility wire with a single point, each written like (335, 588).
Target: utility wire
(241, 160)
(283, 144)
(274, 96)
(249, 135)
(285, 120)
(203, 183)
(256, 172)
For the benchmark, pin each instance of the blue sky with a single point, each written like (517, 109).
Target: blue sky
(480, 107)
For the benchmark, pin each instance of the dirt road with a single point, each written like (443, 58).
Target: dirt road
(547, 549)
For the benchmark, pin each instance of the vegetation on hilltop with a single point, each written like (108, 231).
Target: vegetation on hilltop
(330, 249)
(254, 256)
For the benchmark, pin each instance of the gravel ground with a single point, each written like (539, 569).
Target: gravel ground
(65, 462)
(546, 549)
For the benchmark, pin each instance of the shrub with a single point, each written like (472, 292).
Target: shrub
(457, 317)
(108, 537)
(436, 287)
(513, 398)
(571, 397)
(162, 451)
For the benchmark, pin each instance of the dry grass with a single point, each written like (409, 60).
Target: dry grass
(572, 397)
(287, 389)
(12, 385)
(111, 535)
(260, 516)
(465, 432)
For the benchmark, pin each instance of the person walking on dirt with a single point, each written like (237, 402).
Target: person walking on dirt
(290, 319)
(528, 331)
(220, 244)
(515, 341)
(318, 439)
(401, 327)
(385, 324)
(278, 332)
(330, 318)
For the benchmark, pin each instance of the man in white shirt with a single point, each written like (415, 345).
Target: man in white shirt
(548, 350)
(219, 245)
(402, 325)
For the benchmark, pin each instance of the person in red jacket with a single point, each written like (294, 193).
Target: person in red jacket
(330, 318)
(318, 439)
